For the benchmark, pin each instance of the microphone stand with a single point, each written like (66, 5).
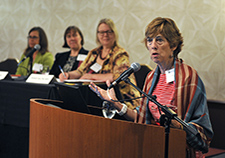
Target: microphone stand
(31, 65)
(169, 114)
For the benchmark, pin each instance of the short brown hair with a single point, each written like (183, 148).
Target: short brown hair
(75, 29)
(168, 28)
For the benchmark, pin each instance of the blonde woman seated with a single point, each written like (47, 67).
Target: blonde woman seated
(106, 62)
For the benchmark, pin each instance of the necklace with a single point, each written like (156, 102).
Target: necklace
(102, 57)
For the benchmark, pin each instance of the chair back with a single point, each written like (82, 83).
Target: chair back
(9, 65)
(141, 75)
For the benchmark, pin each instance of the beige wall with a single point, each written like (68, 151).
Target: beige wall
(202, 23)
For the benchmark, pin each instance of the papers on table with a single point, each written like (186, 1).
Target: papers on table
(82, 81)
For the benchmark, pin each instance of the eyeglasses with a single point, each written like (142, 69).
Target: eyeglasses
(32, 37)
(109, 32)
(158, 39)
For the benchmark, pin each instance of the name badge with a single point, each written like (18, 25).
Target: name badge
(96, 67)
(40, 78)
(37, 67)
(81, 57)
(170, 75)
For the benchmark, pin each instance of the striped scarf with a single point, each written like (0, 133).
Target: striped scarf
(190, 99)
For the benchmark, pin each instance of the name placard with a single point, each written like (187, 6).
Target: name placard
(40, 78)
(3, 74)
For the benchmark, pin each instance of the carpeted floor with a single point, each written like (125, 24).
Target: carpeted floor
(217, 156)
(215, 153)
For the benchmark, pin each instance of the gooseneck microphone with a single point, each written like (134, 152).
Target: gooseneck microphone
(36, 47)
(133, 68)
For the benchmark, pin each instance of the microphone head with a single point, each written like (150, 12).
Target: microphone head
(135, 66)
(37, 47)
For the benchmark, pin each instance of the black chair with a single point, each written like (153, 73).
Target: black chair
(141, 75)
(9, 65)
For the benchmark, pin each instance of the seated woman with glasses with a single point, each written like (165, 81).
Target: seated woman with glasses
(106, 62)
(41, 58)
(70, 60)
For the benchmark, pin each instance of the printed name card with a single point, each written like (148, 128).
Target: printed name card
(3, 74)
(40, 78)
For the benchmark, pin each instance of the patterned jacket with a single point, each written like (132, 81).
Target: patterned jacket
(116, 62)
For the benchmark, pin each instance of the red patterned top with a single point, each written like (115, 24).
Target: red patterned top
(165, 95)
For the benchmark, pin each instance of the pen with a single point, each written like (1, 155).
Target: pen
(62, 71)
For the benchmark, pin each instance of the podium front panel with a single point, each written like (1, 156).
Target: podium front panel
(58, 133)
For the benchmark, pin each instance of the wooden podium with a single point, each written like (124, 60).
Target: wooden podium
(59, 133)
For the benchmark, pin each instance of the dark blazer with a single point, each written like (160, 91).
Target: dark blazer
(61, 59)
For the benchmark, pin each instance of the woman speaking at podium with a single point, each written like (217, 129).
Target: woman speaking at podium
(174, 84)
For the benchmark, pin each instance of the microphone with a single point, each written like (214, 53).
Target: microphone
(36, 47)
(133, 68)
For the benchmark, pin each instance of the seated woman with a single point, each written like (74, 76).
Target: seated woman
(106, 62)
(41, 58)
(70, 60)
